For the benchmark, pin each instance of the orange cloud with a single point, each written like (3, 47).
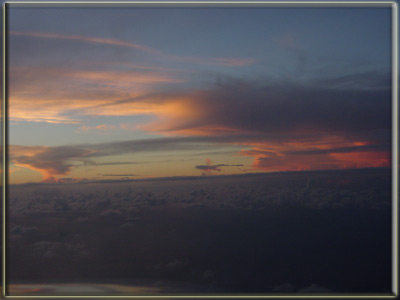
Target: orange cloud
(164, 109)
(49, 115)
(273, 158)
(123, 77)
(186, 115)
(362, 159)
(50, 95)
(49, 161)
(314, 156)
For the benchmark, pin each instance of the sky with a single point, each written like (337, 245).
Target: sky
(141, 92)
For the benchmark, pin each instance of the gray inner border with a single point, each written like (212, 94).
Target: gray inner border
(395, 223)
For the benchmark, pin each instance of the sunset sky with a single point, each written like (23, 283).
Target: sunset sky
(111, 93)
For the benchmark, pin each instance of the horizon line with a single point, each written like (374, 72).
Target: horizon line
(196, 177)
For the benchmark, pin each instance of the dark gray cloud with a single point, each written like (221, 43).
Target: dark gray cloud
(203, 167)
(52, 160)
(288, 108)
(209, 168)
(347, 105)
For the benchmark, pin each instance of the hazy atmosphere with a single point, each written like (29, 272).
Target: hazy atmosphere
(199, 149)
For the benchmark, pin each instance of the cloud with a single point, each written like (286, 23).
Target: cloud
(224, 61)
(363, 159)
(46, 249)
(311, 156)
(279, 119)
(282, 125)
(215, 167)
(278, 108)
(23, 230)
(54, 161)
(123, 78)
(49, 161)
(93, 40)
(279, 154)
(65, 95)
(208, 168)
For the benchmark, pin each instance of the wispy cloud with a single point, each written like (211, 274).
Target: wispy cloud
(224, 61)
(120, 78)
(64, 95)
(85, 39)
